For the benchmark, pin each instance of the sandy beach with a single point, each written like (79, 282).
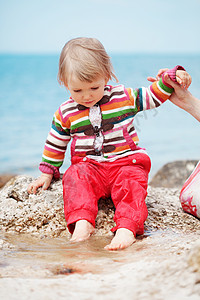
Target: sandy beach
(37, 259)
(39, 262)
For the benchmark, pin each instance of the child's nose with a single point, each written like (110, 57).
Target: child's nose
(87, 96)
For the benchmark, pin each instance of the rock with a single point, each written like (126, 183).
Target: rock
(4, 178)
(43, 213)
(194, 257)
(174, 174)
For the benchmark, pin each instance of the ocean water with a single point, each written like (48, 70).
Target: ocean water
(30, 94)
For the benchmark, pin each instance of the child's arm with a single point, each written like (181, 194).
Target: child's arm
(44, 180)
(157, 93)
(54, 153)
(181, 97)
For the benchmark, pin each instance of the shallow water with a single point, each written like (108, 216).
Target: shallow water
(29, 256)
(59, 254)
(155, 267)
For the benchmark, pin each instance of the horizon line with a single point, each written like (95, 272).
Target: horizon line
(55, 53)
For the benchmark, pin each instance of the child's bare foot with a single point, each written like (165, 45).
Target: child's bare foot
(122, 239)
(83, 230)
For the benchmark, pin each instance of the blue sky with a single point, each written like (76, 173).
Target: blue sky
(43, 26)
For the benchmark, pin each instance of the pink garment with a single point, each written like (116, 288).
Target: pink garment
(125, 181)
(49, 169)
(190, 193)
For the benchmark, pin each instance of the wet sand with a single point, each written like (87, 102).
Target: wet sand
(157, 266)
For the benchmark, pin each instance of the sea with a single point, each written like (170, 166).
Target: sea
(30, 94)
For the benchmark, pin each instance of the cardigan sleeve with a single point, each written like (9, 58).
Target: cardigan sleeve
(55, 146)
(156, 94)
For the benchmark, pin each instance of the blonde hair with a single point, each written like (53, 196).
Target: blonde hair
(86, 59)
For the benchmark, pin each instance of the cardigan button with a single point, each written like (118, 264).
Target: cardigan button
(85, 158)
(134, 161)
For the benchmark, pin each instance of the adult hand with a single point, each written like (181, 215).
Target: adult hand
(158, 76)
(180, 96)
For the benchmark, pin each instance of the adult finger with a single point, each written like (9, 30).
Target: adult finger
(161, 71)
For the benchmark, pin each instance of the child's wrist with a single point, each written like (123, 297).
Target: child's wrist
(47, 175)
(172, 72)
(47, 168)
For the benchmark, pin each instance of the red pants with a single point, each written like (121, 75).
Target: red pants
(124, 180)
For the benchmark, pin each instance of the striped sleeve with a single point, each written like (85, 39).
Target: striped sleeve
(153, 96)
(57, 141)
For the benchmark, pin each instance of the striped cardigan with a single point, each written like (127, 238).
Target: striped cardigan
(118, 107)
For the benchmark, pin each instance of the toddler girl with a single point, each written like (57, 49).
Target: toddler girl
(106, 158)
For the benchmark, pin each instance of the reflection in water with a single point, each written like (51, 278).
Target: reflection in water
(59, 256)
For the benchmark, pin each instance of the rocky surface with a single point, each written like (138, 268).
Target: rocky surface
(37, 261)
(43, 213)
(173, 174)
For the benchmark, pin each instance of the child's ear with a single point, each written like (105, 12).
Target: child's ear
(106, 81)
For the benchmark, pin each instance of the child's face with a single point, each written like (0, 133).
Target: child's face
(87, 93)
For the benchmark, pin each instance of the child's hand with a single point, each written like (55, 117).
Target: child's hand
(183, 78)
(158, 76)
(44, 180)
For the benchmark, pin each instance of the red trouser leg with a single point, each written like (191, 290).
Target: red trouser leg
(129, 190)
(83, 186)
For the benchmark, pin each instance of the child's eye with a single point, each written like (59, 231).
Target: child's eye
(95, 88)
(77, 91)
